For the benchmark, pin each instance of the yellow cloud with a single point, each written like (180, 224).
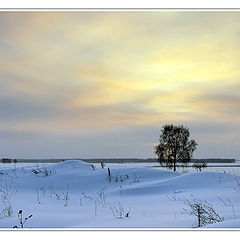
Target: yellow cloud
(121, 67)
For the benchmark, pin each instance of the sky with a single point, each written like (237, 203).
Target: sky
(92, 84)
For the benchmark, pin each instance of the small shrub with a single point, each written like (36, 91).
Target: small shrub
(21, 220)
(102, 165)
(228, 203)
(199, 165)
(203, 210)
(24, 170)
(237, 187)
(6, 192)
(173, 196)
(87, 197)
(56, 195)
(109, 175)
(102, 197)
(96, 204)
(66, 197)
(119, 212)
(7, 211)
(136, 178)
(34, 171)
(93, 167)
(121, 178)
(38, 199)
(44, 172)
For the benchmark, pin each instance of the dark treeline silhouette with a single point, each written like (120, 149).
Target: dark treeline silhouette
(114, 160)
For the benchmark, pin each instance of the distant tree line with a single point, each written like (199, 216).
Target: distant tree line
(9, 160)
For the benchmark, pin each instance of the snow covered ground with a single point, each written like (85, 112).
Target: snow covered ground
(73, 194)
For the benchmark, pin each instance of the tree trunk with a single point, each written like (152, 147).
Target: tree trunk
(174, 166)
(199, 217)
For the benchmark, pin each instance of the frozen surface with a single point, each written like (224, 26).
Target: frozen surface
(73, 194)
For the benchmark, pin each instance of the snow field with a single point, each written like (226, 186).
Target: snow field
(72, 194)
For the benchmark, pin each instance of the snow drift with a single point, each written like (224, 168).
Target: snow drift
(73, 194)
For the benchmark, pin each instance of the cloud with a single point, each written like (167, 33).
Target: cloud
(74, 73)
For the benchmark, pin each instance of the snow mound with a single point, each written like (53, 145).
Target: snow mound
(70, 164)
(182, 183)
(154, 197)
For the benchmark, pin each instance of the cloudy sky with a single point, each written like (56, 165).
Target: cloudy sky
(102, 84)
